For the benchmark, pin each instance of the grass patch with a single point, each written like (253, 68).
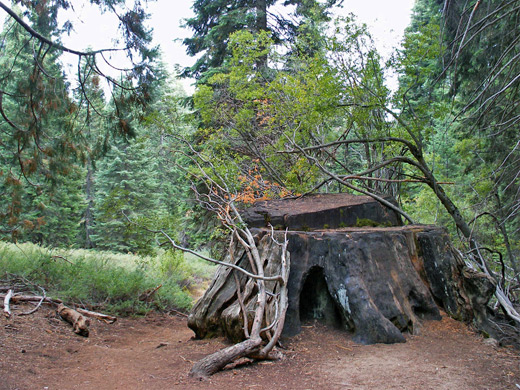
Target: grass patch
(107, 281)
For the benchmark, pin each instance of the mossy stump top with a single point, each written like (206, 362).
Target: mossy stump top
(321, 211)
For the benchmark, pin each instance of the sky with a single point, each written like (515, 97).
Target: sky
(385, 19)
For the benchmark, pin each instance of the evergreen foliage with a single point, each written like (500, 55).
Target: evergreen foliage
(127, 183)
(37, 151)
(42, 140)
(467, 94)
(215, 21)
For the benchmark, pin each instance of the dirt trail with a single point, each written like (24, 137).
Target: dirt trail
(156, 352)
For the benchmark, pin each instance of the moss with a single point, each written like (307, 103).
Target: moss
(326, 226)
(363, 222)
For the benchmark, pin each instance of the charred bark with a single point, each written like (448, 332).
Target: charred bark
(377, 282)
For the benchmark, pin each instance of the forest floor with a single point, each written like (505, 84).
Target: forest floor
(157, 351)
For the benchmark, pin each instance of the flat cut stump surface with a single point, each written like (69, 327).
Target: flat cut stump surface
(317, 211)
(156, 352)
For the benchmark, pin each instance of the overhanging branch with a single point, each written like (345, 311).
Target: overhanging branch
(43, 39)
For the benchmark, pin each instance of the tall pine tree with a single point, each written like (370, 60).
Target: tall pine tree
(216, 20)
(38, 149)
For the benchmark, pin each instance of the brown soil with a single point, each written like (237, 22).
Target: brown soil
(156, 352)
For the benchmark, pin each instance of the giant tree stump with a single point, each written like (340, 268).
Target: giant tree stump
(376, 282)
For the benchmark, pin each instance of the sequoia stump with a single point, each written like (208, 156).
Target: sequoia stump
(352, 266)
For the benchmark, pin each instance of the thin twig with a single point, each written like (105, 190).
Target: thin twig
(62, 258)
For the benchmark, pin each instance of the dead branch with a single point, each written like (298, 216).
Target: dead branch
(218, 360)
(239, 293)
(33, 298)
(283, 298)
(242, 306)
(37, 306)
(7, 298)
(62, 258)
(180, 313)
(207, 258)
(221, 200)
(5, 289)
(148, 294)
(99, 316)
(68, 313)
(47, 41)
(299, 150)
(392, 180)
(347, 184)
(79, 322)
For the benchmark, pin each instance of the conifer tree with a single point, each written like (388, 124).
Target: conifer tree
(38, 151)
(216, 21)
(127, 183)
(93, 117)
(40, 134)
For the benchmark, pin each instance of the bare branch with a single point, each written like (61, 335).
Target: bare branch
(47, 41)
(347, 184)
(207, 258)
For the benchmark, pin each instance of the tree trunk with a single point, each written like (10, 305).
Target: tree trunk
(261, 25)
(89, 220)
(375, 282)
(466, 230)
(261, 15)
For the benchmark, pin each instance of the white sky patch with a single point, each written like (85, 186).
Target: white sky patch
(385, 19)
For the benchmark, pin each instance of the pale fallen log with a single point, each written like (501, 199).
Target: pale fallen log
(33, 298)
(218, 360)
(7, 298)
(79, 322)
(99, 316)
(75, 317)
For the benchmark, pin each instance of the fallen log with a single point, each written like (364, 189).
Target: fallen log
(32, 298)
(99, 316)
(218, 360)
(7, 298)
(78, 321)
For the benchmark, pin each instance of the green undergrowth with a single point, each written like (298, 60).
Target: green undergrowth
(107, 281)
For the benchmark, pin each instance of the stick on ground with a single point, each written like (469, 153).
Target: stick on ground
(99, 316)
(7, 299)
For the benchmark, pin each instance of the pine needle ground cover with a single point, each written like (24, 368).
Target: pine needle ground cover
(112, 282)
